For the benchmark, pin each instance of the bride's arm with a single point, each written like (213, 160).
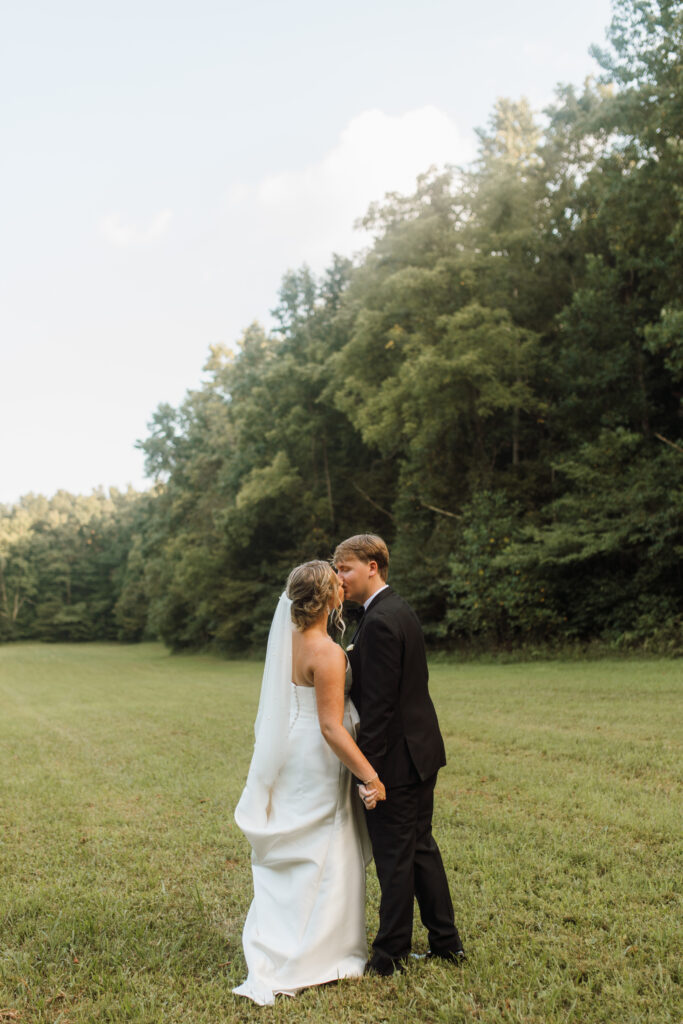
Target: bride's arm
(328, 679)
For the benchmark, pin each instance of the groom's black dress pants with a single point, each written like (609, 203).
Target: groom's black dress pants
(409, 866)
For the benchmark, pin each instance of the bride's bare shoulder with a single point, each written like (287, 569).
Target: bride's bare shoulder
(326, 653)
(316, 653)
(335, 653)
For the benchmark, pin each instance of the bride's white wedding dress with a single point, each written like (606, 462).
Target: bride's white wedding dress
(306, 924)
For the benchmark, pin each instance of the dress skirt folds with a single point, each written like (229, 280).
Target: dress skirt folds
(306, 923)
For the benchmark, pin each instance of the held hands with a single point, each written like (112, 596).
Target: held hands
(372, 792)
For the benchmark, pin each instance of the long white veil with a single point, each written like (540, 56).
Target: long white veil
(271, 728)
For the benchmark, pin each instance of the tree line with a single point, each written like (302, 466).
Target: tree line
(495, 386)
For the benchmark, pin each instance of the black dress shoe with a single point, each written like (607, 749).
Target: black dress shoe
(383, 967)
(450, 956)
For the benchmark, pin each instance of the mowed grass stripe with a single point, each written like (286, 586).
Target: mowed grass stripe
(124, 881)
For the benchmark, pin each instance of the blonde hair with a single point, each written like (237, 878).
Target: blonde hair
(366, 547)
(310, 587)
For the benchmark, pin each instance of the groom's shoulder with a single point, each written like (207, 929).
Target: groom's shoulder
(393, 605)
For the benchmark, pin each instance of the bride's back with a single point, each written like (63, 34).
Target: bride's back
(314, 590)
(310, 651)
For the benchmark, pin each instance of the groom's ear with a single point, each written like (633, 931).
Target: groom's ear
(373, 568)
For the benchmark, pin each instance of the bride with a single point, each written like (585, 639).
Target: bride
(299, 809)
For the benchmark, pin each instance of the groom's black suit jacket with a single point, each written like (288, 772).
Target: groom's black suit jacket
(399, 732)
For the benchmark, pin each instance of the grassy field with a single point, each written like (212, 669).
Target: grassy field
(124, 881)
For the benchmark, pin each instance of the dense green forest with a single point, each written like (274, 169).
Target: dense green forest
(495, 386)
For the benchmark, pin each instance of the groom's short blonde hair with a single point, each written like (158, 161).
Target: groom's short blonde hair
(366, 547)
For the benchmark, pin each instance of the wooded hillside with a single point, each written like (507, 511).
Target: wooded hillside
(495, 387)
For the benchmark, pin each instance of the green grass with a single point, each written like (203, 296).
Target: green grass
(124, 881)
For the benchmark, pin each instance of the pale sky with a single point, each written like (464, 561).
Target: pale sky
(164, 162)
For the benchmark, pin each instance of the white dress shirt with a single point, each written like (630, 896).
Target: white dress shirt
(373, 596)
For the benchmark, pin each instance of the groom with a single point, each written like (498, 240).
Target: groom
(399, 734)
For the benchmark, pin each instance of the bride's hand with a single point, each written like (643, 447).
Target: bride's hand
(377, 787)
(368, 798)
(371, 793)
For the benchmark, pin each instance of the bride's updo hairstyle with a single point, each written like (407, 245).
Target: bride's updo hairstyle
(310, 587)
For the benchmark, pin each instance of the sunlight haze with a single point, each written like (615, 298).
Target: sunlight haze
(165, 163)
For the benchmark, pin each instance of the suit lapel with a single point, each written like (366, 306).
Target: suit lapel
(357, 682)
(358, 628)
(373, 604)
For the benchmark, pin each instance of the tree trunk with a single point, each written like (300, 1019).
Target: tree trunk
(640, 376)
(3, 591)
(515, 436)
(328, 481)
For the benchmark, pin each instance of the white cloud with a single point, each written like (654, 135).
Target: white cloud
(307, 214)
(123, 233)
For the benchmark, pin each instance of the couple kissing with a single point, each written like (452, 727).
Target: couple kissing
(346, 755)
